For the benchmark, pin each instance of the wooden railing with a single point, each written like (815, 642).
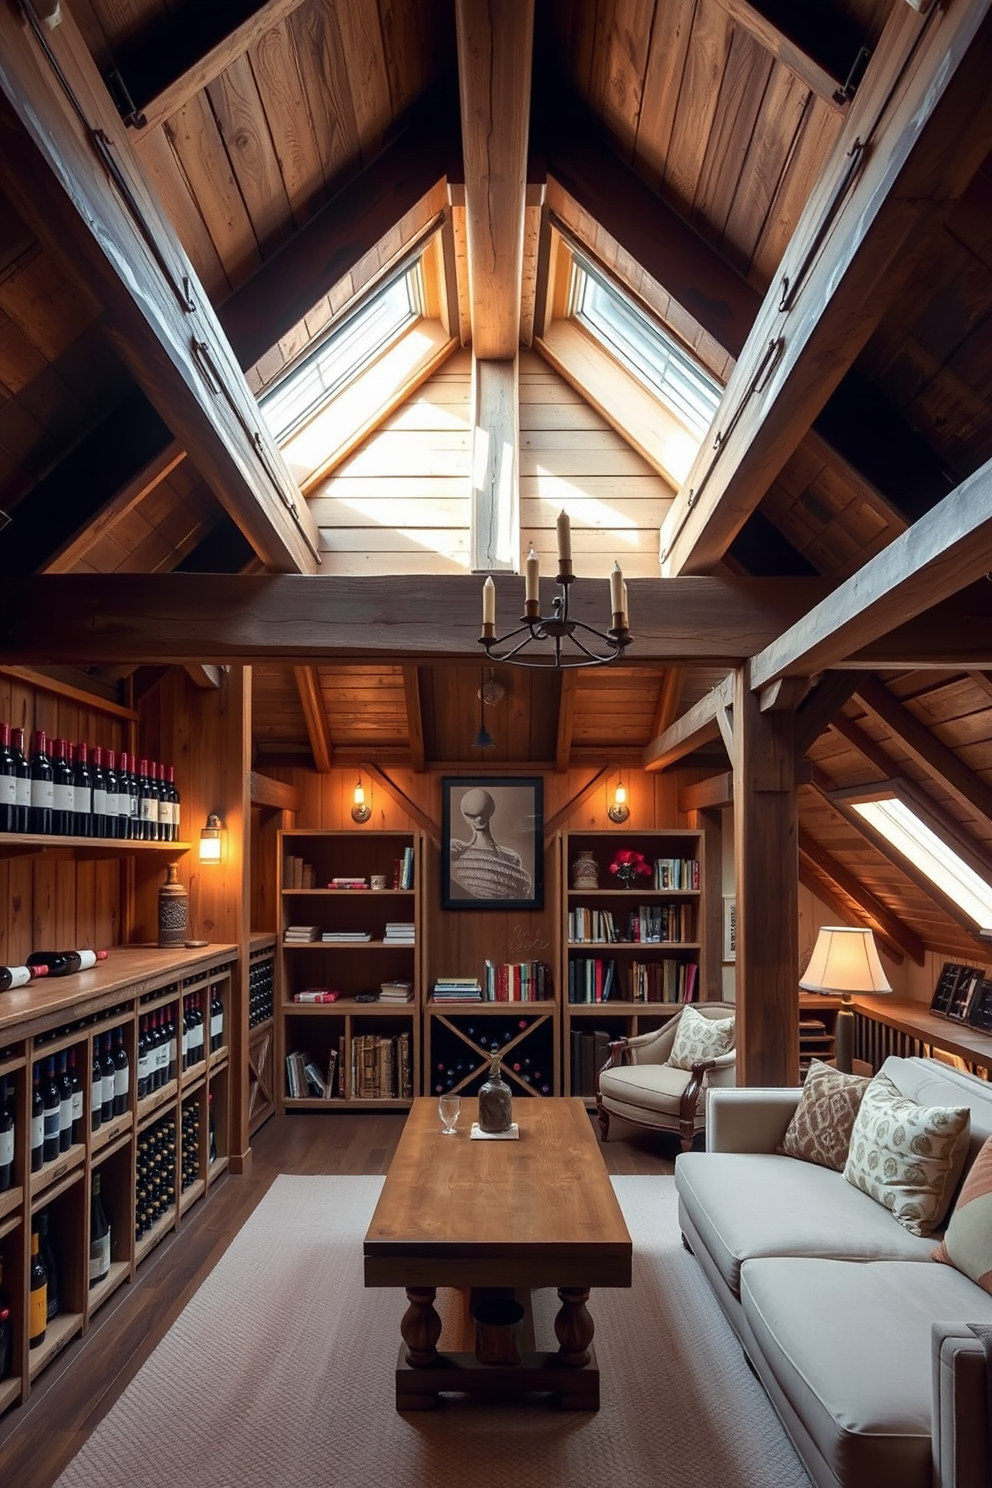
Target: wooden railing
(897, 1026)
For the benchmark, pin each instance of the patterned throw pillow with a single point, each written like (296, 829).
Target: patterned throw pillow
(967, 1242)
(907, 1157)
(698, 1038)
(820, 1131)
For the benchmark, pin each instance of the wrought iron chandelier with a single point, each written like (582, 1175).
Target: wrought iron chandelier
(572, 642)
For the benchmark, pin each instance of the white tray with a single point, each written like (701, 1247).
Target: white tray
(477, 1134)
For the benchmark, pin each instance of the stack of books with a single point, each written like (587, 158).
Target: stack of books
(398, 932)
(345, 937)
(457, 989)
(406, 869)
(297, 874)
(303, 1078)
(348, 881)
(301, 934)
(396, 992)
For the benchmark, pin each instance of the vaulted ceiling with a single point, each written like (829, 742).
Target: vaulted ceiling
(802, 195)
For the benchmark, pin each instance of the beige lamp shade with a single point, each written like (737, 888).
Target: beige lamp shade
(844, 959)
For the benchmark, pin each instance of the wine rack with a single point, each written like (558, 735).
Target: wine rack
(460, 1046)
(261, 1009)
(136, 1152)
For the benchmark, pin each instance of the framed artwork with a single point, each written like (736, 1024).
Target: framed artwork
(729, 927)
(492, 842)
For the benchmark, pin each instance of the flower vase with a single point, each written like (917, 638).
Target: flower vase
(626, 875)
(585, 872)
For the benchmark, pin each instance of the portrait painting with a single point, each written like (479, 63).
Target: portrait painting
(492, 843)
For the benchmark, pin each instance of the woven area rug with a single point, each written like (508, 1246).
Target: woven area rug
(280, 1372)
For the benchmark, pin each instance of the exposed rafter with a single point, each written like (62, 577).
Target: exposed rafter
(699, 725)
(312, 703)
(918, 129)
(414, 717)
(891, 928)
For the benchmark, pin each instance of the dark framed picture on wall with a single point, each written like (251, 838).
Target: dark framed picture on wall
(492, 842)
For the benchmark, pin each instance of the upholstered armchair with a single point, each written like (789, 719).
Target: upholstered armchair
(640, 1083)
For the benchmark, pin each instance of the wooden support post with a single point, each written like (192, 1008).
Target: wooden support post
(767, 874)
(495, 466)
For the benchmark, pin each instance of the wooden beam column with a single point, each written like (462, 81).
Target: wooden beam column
(495, 45)
(767, 874)
(495, 466)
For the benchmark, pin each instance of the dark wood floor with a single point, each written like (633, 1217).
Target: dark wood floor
(38, 1439)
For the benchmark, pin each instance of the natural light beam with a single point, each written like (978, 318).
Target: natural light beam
(913, 838)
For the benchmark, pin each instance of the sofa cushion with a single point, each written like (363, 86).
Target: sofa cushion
(751, 1204)
(698, 1037)
(820, 1131)
(849, 1346)
(930, 1082)
(967, 1242)
(906, 1156)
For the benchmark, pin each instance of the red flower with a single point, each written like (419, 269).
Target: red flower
(629, 859)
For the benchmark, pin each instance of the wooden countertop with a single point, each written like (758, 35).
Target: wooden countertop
(133, 969)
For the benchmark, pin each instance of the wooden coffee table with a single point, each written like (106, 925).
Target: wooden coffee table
(498, 1218)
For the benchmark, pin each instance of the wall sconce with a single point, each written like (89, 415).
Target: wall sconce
(210, 839)
(361, 810)
(619, 811)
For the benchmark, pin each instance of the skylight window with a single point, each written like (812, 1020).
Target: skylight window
(654, 357)
(911, 837)
(343, 354)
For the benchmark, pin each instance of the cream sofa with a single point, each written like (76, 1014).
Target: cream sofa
(859, 1338)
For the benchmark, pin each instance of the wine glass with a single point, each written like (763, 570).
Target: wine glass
(449, 1108)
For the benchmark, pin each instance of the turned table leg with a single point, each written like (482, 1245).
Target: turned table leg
(574, 1327)
(421, 1327)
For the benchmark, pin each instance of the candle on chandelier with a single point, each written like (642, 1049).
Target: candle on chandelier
(533, 572)
(617, 598)
(489, 603)
(564, 538)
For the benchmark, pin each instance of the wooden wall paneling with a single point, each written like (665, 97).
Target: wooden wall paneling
(742, 91)
(241, 120)
(672, 26)
(625, 59)
(361, 42)
(195, 141)
(779, 120)
(277, 74)
(698, 102)
(766, 872)
(161, 167)
(323, 69)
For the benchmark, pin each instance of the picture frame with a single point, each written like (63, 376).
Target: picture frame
(492, 842)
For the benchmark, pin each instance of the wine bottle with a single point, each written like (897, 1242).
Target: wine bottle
(83, 792)
(133, 803)
(212, 1140)
(108, 1074)
(63, 791)
(113, 808)
(22, 774)
(123, 797)
(48, 1261)
(52, 1101)
(175, 801)
(7, 1137)
(96, 1087)
(76, 1086)
(37, 1120)
(147, 803)
(64, 963)
(42, 787)
(19, 976)
(8, 782)
(6, 1330)
(99, 1235)
(187, 1026)
(164, 806)
(38, 1296)
(65, 1103)
(141, 1082)
(171, 1061)
(122, 1074)
(199, 1049)
(216, 1020)
(99, 792)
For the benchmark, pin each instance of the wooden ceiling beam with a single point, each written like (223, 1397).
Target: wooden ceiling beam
(202, 70)
(279, 795)
(828, 894)
(701, 724)
(178, 617)
(946, 550)
(821, 706)
(709, 794)
(414, 717)
(80, 190)
(315, 716)
(882, 919)
(822, 77)
(967, 788)
(865, 745)
(495, 48)
(669, 700)
(495, 514)
(917, 131)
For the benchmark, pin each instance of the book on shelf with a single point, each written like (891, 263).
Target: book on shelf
(380, 1066)
(590, 1048)
(591, 979)
(348, 881)
(300, 934)
(399, 932)
(316, 994)
(396, 991)
(296, 873)
(406, 869)
(457, 989)
(591, 926)
(345, 937)
(664, 980)
(657, 923)
(303, 1078)
(516, 981)
(676, 873)
(332, 1067)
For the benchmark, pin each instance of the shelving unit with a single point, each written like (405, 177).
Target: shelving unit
(461, 1041)
(817, 1026)
(73, 1014)
(638, 964)
(371, 1041)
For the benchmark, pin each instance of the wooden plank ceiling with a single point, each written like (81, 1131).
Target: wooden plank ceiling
(717, 116)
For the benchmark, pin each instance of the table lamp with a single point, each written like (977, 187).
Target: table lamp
(844, 960)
